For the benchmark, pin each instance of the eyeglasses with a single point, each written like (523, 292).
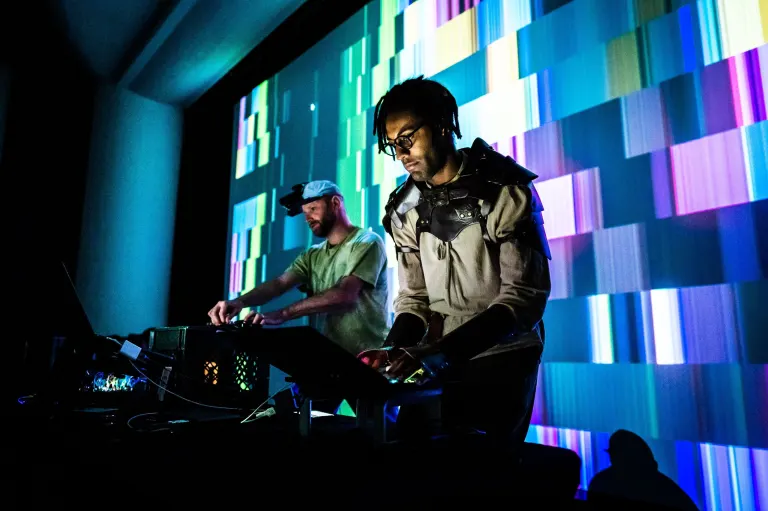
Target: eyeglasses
(403, 142)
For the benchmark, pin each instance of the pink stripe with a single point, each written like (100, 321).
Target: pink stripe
(442, 14)
(573, 441)
(709, 173)
(518, 149)
(558, 200)
(550, 436)
(539, 401)
(736, 93)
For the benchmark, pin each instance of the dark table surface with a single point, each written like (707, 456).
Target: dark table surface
(181, 454)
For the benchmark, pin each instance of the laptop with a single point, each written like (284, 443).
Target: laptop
(60, 344)
(76, 323)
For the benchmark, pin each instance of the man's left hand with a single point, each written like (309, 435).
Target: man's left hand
(268, 318)
(411, 361)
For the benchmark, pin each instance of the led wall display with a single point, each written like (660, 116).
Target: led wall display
(646, 122)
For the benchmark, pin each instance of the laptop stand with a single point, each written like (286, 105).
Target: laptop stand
(324, 370)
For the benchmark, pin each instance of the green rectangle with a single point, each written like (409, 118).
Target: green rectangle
(357, 59)
(358, 134)
(386, 40)
(250, 274)
(261, 209)
(264, 149)
(346, 178)
(262, 109)
(378, 165)
(347, 100)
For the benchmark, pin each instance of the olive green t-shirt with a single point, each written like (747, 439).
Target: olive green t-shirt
(322, 266)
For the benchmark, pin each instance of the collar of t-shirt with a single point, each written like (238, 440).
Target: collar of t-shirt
(329, 247)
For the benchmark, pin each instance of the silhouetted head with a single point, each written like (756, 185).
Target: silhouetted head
(415, 123)
(629, 450)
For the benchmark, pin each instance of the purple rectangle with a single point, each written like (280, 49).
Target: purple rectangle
(587, 201)
(717, 98)
(756, 89)
(709, 323)
(544, 152)
(662, 184)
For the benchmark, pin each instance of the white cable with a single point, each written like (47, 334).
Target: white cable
(248, 419)
(244, 421)
(137, 416)
(150, 380)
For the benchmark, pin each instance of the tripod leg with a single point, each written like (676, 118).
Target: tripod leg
(305, 418)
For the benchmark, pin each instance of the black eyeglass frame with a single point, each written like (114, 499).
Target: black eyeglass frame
(404, 142)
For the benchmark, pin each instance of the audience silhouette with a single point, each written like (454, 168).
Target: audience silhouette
(633, 480)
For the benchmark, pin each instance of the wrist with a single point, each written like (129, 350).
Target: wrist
(407, 330)
(239, 302)
(434, 363)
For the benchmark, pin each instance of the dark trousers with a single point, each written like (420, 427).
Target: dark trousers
(492, 394)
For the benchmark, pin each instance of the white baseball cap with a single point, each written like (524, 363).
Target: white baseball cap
(316, 189)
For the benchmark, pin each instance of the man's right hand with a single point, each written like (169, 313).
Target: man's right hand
(377, 359)
(224, 311)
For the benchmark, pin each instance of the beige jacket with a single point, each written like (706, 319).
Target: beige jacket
(461, 278)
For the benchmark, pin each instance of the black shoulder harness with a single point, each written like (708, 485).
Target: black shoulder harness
(445, 211)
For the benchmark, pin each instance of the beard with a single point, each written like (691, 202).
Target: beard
(323, 227)
(434, 160)
(425, 174)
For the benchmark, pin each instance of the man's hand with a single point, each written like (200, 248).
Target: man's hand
(224, 311)
(268, 318)
(413, 359)
(378, 358)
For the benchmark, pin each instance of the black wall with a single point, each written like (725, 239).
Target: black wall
(47, 135)
(43, 168)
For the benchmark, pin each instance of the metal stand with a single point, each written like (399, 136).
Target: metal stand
(371, 418)
(305, 418)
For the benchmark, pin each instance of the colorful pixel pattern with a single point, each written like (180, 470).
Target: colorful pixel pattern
(646, 122)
